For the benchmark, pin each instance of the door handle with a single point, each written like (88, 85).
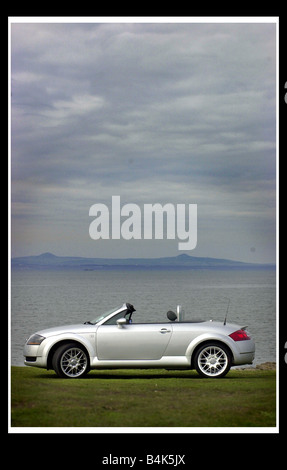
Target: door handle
(165, 330)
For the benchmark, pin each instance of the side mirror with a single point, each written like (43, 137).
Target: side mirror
(121, 322)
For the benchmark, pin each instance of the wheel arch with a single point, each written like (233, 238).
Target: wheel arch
(62, 343)
(215, 341)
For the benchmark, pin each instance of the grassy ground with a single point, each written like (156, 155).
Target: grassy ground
(141, 398)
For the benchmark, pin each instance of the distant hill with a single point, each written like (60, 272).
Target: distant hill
(48, 260)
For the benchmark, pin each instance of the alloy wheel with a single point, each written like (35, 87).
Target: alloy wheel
(73, 362)
(212, 361)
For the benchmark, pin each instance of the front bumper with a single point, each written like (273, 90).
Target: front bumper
(33, 356)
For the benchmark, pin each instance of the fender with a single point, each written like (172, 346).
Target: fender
(53, 340)
(206, 337)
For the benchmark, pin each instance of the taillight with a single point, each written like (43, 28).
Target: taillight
(239, 335)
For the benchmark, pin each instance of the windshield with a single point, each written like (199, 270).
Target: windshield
(104, 315)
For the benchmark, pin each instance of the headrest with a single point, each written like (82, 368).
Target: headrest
(171, 315)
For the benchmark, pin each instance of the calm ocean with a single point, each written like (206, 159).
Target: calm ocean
(42, 299)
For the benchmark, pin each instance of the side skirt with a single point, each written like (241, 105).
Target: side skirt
(170, 362)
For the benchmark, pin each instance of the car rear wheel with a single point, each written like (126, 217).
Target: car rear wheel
(212, 360)
(70, 361)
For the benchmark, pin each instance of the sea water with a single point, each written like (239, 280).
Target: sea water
(45, 298)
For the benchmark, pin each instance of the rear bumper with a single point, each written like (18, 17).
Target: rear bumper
(245, 352)
(246, 358)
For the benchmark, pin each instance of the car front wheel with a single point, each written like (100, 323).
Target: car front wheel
(70, 361)
(212, 360)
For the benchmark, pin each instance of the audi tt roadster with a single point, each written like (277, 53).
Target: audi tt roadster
(114, 340)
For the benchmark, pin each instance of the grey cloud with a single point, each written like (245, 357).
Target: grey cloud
(135, 109)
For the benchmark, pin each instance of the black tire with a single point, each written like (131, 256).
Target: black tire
(70, 361)
(213, 360)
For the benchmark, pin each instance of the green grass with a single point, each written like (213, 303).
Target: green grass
(141, 398)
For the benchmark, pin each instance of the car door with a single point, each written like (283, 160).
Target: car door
(136, 341)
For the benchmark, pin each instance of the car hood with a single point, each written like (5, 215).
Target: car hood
(57, 330)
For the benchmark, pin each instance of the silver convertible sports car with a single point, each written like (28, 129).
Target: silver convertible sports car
(114, 341)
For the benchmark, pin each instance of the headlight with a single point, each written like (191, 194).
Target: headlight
(35, 340)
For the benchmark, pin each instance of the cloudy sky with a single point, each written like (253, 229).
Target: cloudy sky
(152, 112)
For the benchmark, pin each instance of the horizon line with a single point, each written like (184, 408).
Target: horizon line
(146, 258)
